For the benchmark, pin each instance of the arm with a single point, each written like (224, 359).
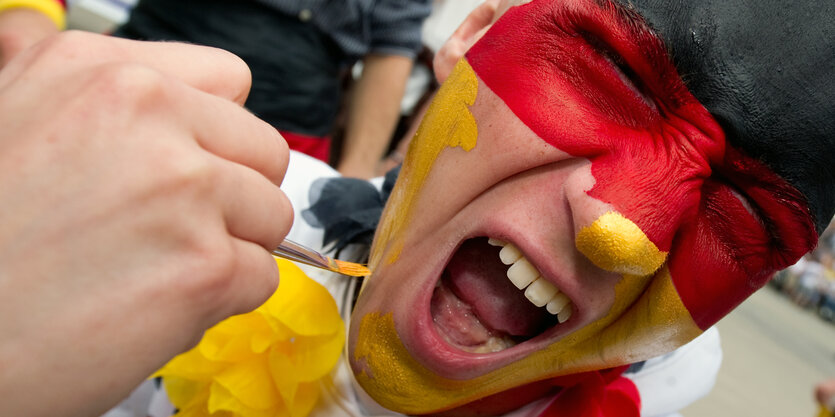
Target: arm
(373, 113)
(24, 23)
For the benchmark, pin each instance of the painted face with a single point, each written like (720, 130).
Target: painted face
(566, 145)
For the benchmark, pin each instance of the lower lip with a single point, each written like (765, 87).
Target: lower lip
(426, 345)
(430, 349)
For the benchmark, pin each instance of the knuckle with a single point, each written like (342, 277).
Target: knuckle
(128, 83)
(129, 98)
(286, 222)
(182, 173)
(192, 171)
(236, 75)
(239, 74)
(237, 68)
(215, 266)
(279, 160)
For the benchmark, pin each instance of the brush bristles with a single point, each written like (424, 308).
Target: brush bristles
(351, 269)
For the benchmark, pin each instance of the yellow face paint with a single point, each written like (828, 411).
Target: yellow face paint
(616, 244)
(448, 123)
(633, 330)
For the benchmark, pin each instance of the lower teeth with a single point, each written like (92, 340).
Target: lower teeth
(494, 344)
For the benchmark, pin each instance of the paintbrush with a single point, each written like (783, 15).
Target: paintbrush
(299, 253)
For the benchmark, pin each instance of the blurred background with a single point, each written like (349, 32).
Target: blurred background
(779, 343)
(97, 15)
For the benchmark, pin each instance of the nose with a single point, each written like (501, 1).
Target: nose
(606, 237)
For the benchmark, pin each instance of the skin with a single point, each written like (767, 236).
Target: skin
(373, 113)
(825, 394)
(484, 164)
(140, 198)
(21, 28)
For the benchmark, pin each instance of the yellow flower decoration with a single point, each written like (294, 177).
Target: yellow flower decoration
(263, 363)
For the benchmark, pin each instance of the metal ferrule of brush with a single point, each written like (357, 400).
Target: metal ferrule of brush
(302, 254)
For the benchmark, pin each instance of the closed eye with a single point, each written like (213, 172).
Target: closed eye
(747, 204)
(629, 79)
(627, 75)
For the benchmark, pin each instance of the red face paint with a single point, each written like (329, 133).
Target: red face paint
(725, 253)
(658, 157)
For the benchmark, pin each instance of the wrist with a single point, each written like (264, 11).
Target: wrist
(363, 170)
(396, 156)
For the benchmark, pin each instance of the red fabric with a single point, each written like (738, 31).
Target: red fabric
(315, 146)
(595, 394)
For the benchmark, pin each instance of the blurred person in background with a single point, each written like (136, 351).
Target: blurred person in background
(445, 18)
(298, 53)
(807, 292)
(825, 397)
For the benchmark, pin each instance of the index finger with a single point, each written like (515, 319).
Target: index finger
(212, 70)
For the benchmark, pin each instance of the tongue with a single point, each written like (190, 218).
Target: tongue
(476, 275)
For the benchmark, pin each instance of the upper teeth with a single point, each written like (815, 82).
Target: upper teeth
(526, 277)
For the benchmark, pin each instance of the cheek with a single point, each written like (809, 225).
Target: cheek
(722, 257)
(447, 124)
(597, 286)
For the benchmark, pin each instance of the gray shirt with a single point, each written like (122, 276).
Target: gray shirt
(360, 27)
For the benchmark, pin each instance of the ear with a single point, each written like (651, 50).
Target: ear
(471, 30)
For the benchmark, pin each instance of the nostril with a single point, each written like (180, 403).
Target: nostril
(605, 237)
(582, 208)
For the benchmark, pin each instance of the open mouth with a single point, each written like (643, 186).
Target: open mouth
(481, 305)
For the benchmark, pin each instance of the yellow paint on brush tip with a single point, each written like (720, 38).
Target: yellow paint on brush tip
(616, 244)
(351, 269)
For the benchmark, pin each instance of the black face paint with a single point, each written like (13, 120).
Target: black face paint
(765, 69)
